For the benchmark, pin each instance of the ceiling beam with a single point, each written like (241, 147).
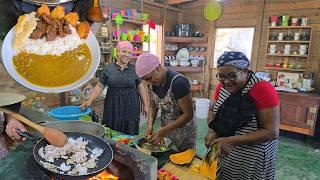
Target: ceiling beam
(161, 5)
(170, 2)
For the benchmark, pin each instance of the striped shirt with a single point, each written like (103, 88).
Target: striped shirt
(247, 162)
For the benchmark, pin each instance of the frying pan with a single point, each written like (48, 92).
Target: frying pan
(93, 142)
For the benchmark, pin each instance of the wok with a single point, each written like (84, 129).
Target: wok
(167, 143)
(87, 127)
(93, 142)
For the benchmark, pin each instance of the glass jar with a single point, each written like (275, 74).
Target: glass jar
(104, 30)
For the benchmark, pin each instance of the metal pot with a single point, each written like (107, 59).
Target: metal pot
(92, 128)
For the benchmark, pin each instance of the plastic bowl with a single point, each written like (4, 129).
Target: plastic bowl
(68, 112)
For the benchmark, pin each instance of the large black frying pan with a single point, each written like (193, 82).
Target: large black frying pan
(93, 142)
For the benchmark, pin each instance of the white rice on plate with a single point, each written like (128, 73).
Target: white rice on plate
(55, 47)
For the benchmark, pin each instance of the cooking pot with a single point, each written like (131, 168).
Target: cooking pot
(92, 128)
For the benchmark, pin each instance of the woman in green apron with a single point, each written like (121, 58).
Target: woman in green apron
(170, 92)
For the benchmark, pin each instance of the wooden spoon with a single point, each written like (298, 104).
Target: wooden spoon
(53, 136)
(95, 13)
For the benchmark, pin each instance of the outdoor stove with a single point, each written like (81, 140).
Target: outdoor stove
(127, 163)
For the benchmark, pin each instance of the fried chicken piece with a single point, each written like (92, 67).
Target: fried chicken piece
(83, 29)
(58, 12)
(72, 18)
(43, 9)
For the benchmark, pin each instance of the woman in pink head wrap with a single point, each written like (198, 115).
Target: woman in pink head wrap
(170, 92)
(122, 103)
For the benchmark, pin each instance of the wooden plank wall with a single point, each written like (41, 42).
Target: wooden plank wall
(256, 13)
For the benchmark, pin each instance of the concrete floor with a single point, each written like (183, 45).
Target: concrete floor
(297, 159)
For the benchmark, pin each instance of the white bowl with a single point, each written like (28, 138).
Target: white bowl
(195, 63)
(8, 52)
(184, 63)
(174, 63)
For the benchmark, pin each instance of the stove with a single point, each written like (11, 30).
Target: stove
(128, 163)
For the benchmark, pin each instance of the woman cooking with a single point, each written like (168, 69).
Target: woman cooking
(170, 93)
(9, 124)
(122, 104)
(245, 125)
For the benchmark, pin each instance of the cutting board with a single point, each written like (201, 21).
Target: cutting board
(183, 172)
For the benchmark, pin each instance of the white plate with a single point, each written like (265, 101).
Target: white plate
(8, 52)
(182, 53)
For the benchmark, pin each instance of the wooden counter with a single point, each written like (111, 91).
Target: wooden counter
(298, 112)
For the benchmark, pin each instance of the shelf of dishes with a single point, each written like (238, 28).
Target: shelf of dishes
(186, 39)
(133, 21)
(287, 55)
(290, 37)
(185, 69)
(115, 40)
(284, 69)
(290, 27)
(289, 41)
(288, 50)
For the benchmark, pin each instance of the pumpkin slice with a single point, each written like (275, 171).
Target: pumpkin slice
(183, 157)
(207, 170)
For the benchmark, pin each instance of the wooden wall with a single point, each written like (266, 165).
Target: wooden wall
(256, 13)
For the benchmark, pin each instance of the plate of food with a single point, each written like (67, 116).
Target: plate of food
(50, 51)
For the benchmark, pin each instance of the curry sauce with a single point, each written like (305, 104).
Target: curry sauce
(52, 70)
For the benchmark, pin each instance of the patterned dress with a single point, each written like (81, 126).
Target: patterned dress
(185, 137)
(122, 103)
(247, 161)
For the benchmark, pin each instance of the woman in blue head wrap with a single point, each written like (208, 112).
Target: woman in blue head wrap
(245, 123)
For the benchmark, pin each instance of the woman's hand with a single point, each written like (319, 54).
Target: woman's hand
(159, 136)
(224, 146)
(210, 137)
(148, 131)
(85, 105)
(11, 127)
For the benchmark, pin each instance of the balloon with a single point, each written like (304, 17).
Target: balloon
(119, 19)
(212, 10)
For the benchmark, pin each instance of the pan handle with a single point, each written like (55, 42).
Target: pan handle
(27, 135)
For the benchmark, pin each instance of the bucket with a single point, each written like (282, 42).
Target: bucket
(68, 112)
(202, 107)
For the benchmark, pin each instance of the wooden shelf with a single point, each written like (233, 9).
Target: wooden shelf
(284, 69)
(133, 21)
(290, 27)
(283, 55)
(289, 41)
(129, 41)
(186, 39)
(185, 69)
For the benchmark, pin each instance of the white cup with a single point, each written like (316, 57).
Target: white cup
(304, 47)
(302, 51)
(296, 36)
(304, 21)
(272, 46)
(272, 51)
(287, 51)
(287, 46)
(280, 36)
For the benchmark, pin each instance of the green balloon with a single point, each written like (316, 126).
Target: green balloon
(212, 10)
(119, 19)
